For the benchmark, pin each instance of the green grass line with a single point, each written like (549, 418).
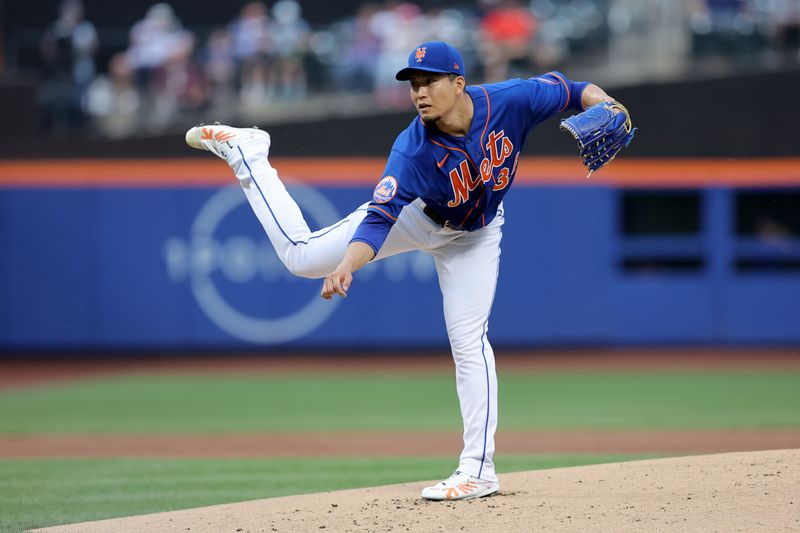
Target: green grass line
(142, 404)
(38, 493)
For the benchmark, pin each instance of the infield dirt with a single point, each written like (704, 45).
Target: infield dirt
(754, 491)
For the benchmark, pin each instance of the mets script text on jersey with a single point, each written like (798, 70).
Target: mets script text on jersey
(462, 180)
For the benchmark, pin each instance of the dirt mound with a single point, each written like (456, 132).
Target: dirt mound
(392, 444)
(757, 491)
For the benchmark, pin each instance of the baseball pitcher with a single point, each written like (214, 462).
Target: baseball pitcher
(441, 193)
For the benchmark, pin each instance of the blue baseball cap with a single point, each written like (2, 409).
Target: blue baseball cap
(434, 56)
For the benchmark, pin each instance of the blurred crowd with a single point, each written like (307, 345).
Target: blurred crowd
(269, 61)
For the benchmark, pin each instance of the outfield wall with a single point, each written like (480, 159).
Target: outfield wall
(167, 254)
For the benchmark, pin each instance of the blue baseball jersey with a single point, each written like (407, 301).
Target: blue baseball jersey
(464, 179)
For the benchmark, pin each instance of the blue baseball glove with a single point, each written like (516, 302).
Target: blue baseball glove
(601, 133)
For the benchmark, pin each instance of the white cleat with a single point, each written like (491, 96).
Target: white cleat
(460, 486)
(220, 140)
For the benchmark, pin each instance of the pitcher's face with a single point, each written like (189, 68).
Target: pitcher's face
(434, 94)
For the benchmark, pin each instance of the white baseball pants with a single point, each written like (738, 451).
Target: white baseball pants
(467, 264)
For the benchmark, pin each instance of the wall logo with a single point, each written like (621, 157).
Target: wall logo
(241, 285)
(238, 259)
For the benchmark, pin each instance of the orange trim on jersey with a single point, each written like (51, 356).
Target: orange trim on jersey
(488, 114)
(566, 86)
(376, 208)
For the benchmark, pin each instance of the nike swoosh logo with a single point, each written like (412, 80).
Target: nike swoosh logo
(440, 163)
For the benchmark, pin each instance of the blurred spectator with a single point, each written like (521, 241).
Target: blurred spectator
(68, 49)
(179, 86)
(458, 27)
(292, 34)
(250, 33)
(159, 54)
(254, 52)
(770, 230)
(272, 55)
(153, 41)
(778, 246)
(549, 47)
(357, 59)
(220, 68)
(258, 86)
(721, 27)
(507, 32)
(113, 100)
(400, 27)
(785, 27)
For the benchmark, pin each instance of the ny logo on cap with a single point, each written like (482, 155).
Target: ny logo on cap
(420, 55)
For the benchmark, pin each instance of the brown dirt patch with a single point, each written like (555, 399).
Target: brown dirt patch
(24, 370)
(383, 444)
(756, 491)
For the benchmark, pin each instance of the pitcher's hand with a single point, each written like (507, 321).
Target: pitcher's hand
(337, 282)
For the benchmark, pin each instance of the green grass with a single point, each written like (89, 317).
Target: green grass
(402, 402)
(38, 493)
(46, 492)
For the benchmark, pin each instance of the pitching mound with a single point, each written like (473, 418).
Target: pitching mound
(758, 491)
